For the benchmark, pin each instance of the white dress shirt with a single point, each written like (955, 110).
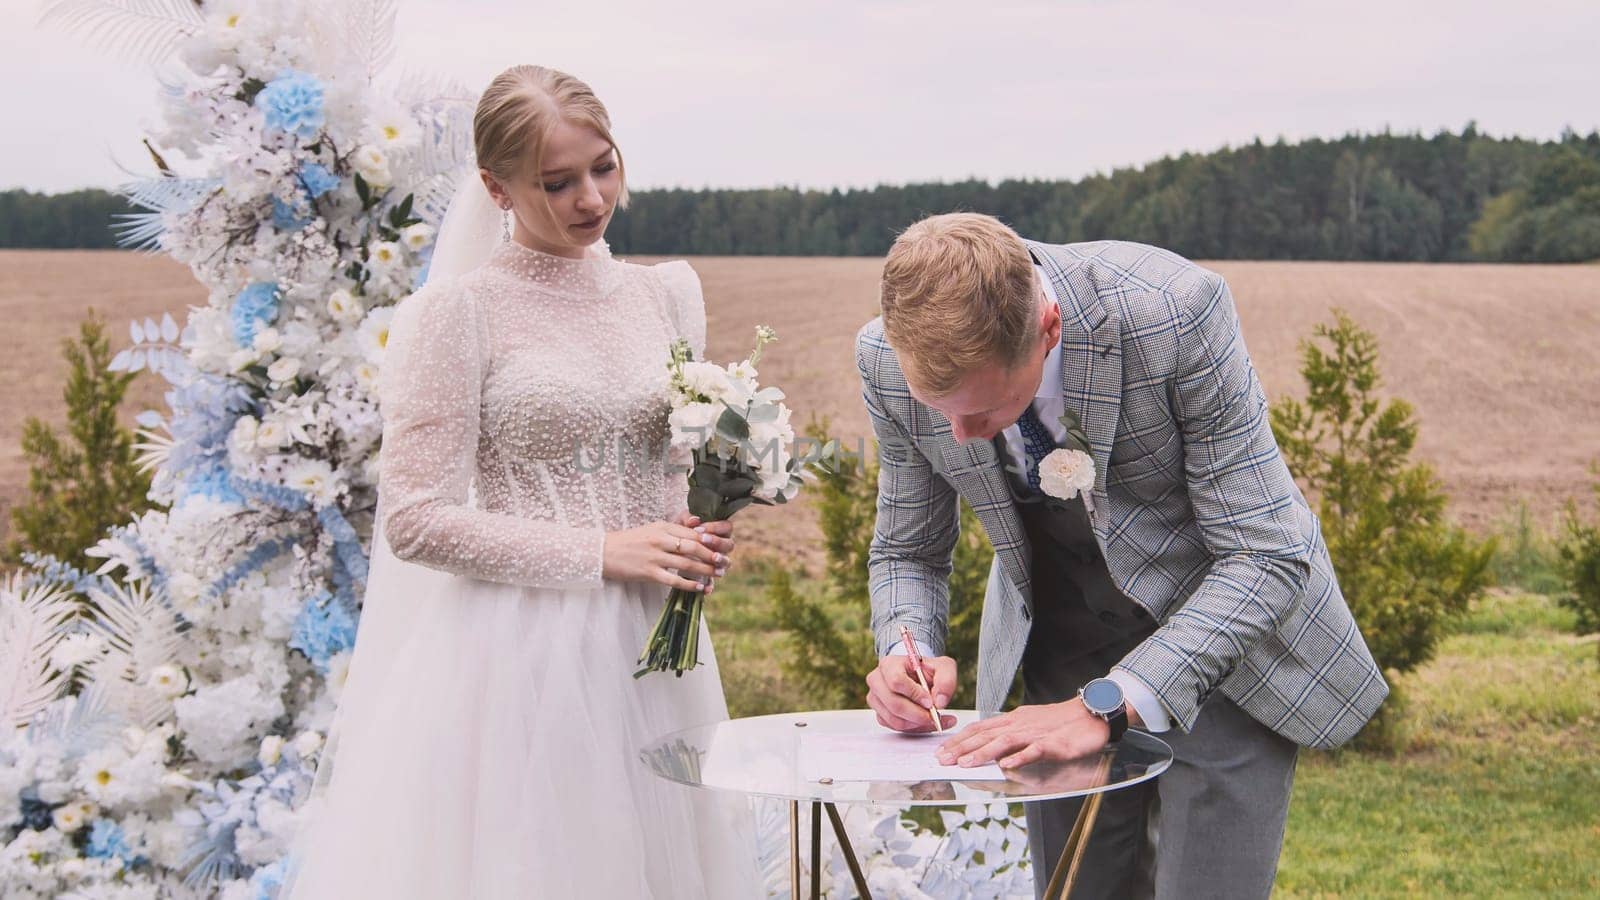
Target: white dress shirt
(1049, 404)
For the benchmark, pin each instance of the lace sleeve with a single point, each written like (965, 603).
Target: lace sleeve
(430, 397)
(685, 304)
(686, 313)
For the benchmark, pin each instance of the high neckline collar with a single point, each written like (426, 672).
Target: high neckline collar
(593, 272)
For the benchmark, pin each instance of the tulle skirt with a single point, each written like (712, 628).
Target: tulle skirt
(487, 746)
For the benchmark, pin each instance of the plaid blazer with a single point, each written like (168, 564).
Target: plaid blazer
(1199, 520)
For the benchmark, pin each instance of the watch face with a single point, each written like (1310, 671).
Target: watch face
(1102, 696)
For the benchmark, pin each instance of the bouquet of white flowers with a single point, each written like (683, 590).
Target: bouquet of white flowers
(742, 445)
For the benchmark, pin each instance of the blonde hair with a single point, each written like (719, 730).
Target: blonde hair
(958, 295)
(521, 107)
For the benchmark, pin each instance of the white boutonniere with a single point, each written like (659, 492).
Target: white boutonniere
(1065, 473)
(1068, 472)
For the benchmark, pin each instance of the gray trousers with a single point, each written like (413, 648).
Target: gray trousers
(1210, 826)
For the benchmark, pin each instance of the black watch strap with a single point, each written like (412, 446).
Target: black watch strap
(1119, 724)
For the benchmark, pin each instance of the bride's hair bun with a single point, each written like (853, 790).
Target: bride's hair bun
(521, 107)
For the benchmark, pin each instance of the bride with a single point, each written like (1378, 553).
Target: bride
(487, 740)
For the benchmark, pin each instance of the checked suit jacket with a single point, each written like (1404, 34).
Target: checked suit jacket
(1195, 512)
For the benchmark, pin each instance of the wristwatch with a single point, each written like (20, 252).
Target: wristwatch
(1103, 697)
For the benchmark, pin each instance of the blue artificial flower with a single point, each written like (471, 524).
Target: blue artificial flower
(317, 180)
(292, 103)
(285, 217)
(212, 481)
(107, 841)
(323, 629)
(268, 880)
(256, 305)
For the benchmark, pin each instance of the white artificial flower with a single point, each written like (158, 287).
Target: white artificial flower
(338, 674)
(75, 649)
(271, 435)
(373, 335)
(1065, 473)
(372, 164)
(243, 436)
(242, 359)
(283, 369)
(268, 340)
(168, 680)
(694, 424)
(392, 126)
(416, 236)
(315, 479)
(367, 376)
(222, 723)
(383, 256)
(67, 818)
(271, 751)
(307, 743)
(344, 307)
(707, 380)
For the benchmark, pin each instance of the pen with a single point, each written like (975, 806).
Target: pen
(916, 663)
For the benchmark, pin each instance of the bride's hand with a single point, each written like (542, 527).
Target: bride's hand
(721, 533)
(651, 553)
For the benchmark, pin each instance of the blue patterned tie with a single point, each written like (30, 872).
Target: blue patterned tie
(1036, 444)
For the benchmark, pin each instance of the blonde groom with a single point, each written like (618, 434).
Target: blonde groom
(1169, 575)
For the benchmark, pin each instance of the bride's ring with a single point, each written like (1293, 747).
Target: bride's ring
(679, 548)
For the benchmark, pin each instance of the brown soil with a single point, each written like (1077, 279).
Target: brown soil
(1500, 361)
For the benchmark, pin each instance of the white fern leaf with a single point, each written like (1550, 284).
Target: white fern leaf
(368, 33)
(143, 30)
(116, 677)
(33, 621)
(137, 623)
(154, 449)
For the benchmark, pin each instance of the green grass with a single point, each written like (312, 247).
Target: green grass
(1496, 793)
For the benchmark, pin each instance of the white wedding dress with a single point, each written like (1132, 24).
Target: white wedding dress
(488, 737)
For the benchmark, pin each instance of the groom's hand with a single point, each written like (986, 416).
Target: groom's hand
(1050, 732)
(899, 700)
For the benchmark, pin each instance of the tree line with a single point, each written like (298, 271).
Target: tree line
(1383, 197)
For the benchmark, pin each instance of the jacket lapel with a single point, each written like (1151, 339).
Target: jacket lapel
(1091, 360)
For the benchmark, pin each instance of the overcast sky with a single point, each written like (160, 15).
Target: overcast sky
(819, 94)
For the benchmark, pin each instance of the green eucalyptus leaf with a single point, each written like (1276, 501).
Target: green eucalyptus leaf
(732, 426)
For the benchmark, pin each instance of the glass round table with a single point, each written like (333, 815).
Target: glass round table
(762, 756)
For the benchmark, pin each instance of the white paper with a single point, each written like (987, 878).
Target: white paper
(883, 756)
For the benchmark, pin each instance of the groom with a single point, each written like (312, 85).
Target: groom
(1188, 590)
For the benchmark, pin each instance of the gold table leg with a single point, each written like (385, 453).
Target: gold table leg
(849, 852)
(794, 849)
(816, 850)
(1066, 873)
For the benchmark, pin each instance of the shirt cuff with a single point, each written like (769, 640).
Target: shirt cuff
(898, 649)
(1143, 701)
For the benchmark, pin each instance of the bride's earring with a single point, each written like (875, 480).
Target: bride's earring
(505, 224)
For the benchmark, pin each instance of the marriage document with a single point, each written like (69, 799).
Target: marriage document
(883, 756)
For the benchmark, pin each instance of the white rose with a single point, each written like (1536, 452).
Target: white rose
(271, 435)
(416, 236)
(242, 359)
(372, 164)
(267, 340)
(1066, 473)
(271, 751)
(694, 424)
(307, 743)
(708, 380)
(168, 681)
(283, 369)
(344, 306)
(244, 432)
